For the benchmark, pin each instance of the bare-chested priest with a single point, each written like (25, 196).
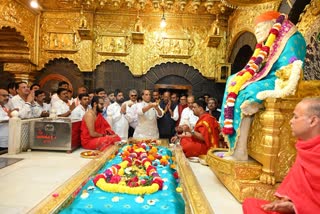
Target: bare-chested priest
(96, 133)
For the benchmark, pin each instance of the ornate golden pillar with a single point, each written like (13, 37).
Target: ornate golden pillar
(271, 120)
(22, 71)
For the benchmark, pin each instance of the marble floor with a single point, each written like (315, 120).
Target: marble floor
(25, 183)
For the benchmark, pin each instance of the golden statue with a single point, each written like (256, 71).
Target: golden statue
(215, 30)
(83, 20)
(138, 25)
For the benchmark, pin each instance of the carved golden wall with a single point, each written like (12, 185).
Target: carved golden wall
(183, 41)
(15, 15)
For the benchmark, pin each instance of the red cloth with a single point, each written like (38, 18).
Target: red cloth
(253, 205)
(180, 109)
(302, 185)
(102, 127)
(209, 128)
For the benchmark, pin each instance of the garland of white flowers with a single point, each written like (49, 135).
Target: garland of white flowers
(291, 85)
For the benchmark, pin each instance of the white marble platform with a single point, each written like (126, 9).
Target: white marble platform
(24, 184)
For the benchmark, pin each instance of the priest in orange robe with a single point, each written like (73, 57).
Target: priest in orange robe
(204, 136)
(96, 133)
(300, 190)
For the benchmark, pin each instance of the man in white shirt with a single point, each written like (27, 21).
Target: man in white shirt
(41, 109)
(23, 101)
(12, 89)
(61, 105)
(4, 127)
(133, 116)
(187, 116)
(82, 108)
(148, 113)
(120, 123)
(55, 97)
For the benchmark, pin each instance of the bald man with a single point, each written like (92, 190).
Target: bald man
(300, 191)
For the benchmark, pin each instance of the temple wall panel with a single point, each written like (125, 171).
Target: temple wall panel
(59, 39)
(184, 40)
(15, 15)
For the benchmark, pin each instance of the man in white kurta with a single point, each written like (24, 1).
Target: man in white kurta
(23, 101)
(148, 113)
(4, 127)
(40, 109)
(61, 105)
(82, 107)
(187, 116)
(133, 118)
(120, 123)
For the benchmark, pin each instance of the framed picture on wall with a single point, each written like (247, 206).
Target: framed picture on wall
(223, 72)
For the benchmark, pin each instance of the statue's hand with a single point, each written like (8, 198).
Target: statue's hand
(267, 178)
(250, 108)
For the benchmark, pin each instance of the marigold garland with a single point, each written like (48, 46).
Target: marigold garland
(260, 54)
(140, 154)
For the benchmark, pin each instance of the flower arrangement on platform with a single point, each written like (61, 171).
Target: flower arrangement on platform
(254, 65)
(137, 173)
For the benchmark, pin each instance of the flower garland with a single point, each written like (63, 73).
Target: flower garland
(138, 159)
(260, 54)
(287, 87)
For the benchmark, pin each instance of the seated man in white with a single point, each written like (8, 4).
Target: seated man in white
(82, 108)
(120, 123)
(23, 102)
(4, 127)
(40, 109)
(61, 106)
(148, 113)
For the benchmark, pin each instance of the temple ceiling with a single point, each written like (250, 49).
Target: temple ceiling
(222, 8)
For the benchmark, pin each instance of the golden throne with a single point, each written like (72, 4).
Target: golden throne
(271, 148)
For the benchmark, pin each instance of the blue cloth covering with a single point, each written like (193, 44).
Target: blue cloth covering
(295, 47)
(166, 200)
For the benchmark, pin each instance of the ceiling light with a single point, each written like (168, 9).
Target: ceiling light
(163, 22)
(34, 4)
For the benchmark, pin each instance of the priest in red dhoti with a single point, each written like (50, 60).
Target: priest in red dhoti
(204, 135)
(300, 190)
(96, 133)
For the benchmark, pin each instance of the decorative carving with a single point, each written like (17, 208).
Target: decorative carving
(61, 42)
(176, 47)
(16, 16)
(116, 45)
(308, 26)
(137, 38)
(10, 14)
(213, 41)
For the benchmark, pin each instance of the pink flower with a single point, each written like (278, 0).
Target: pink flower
(115, 179)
